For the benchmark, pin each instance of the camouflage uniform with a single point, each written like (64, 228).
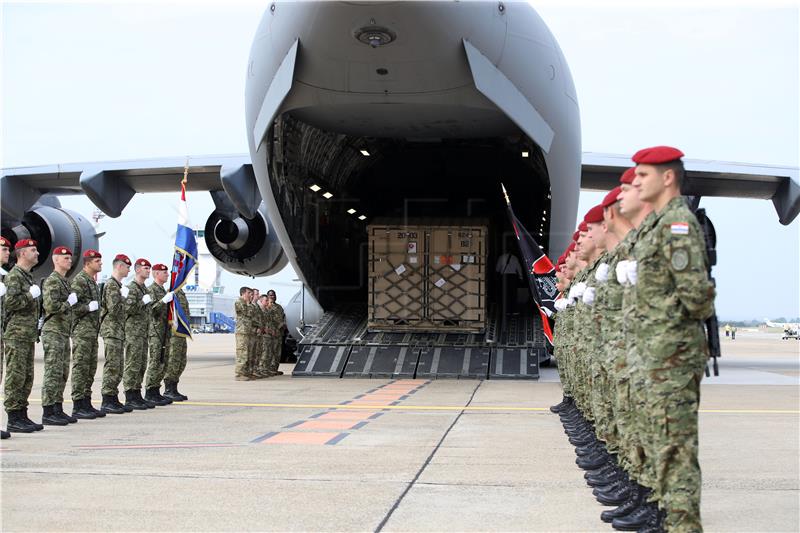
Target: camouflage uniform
(246, 337)
(86, 326)
(260, 369)
(272, 339)
(55, 338)
(559, 336)
(137, 322)
(673, 298)
(176, 362)
(19, 334)
(159, 336)
(278, 323)
(112, 329)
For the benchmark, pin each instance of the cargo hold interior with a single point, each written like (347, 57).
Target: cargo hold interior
(329, 186)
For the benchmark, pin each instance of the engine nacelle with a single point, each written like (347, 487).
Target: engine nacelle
(244, 246)
(50, 227)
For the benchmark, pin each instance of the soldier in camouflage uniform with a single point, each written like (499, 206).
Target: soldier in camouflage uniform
(57, 302)
(137, 322)
(5, 253)
(160, 334)
(261, 370)
(85, 329)
(177, 357)
(278, 325)
(246, 333)
(112, 329)
(673, 299)
(21, 307)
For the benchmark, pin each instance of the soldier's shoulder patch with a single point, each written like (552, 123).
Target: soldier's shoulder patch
(679, 259)
(679, 228)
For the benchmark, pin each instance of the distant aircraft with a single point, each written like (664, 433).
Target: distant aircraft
(784, 325)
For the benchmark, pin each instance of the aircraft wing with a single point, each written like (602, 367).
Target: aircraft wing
(709, 178)
(111, 185)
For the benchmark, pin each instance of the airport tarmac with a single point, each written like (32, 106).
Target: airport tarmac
(406, 455)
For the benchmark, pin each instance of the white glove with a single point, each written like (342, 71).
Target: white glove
(2, 288)
(124, 291)
(72, 299)
(561, 304)
(3, 271)
(622, 272)
(146, 299)
(570, 301)
(601, 274)
(93, 306)
(588, 296)
(633, 276)
(579, 289)
(167, 297)
(35, 291)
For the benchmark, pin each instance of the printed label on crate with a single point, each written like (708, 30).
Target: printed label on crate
(412, 247)
(456, 267)
(436, 260)
(468, 259)
(412, 259)
(399, 270)
(440, 283)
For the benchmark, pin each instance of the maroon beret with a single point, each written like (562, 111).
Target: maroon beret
(628, 175)
(92, 254)
(611, 197)
(4, 242)
(656, 155)
(62, 250)
(24, 243)
(160, 266)
(124, 258)
(570, 248)
(575, 235)
(594, 215)
(143, 262)
(583, 227)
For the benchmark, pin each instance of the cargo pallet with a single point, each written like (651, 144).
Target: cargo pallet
(342, 346)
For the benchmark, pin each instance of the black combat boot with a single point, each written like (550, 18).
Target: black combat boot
(4, 434)
(616, 493)
(636, 519)
(133, 402)
(606, 478)
(176, 392)
(124, 407)
(655, 524)
(50, 417)
(154, 397)
(171, 391)
(80, 411)
(161, 396)
(37, 427)
(147, 403)
(18, 424)
(604, 470)
(97, 412)
(588, 449)
(59, 408)
(109, 405)
(631, 504)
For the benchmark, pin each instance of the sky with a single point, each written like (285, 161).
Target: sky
(109, 81)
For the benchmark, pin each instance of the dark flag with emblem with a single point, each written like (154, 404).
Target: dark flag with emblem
(541, 272)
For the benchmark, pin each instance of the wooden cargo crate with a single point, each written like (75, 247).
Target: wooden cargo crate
(428, 275)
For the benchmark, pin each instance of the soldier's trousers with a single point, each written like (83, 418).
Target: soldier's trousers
(642, 464)
(84, 366)
(114, 365)
(56, 367)
(176, 362)
(155, 367)
(135, 362)
(19, 373)
(272, 353)
(674, 446)
(245, 347)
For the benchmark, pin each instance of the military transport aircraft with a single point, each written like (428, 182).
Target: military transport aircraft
(361, 110)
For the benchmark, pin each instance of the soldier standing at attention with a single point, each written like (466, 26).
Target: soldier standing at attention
(86, 327)
(262, 358)
(112, 329)
(5, 253)
(177, 357)
(137, 321)
(19, 336)
(159, 335)
(244, 334)
(673, 298)
(279, 327)
(57, 302)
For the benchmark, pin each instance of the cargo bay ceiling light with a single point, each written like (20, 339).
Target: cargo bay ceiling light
(315, 188)
(365, 153)
(375, 36)
(524, 154)
(327, 195)
(362, 217)
(351, 211)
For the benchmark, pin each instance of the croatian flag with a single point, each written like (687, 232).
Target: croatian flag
(183, 262)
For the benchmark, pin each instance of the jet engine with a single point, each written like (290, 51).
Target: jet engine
(51, 226)
(244, 246)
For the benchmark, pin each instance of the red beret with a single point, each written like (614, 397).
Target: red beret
(561, 260)
(143, 262)
(583, 227)
(628, 175)
(124, 258)
(160, 266)
(656, 155)
(92, 254)
(575, 235)
(594, 215)
(611, 197)
(62, 250)
(24, 243)
(570, 248)
(4, 242)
